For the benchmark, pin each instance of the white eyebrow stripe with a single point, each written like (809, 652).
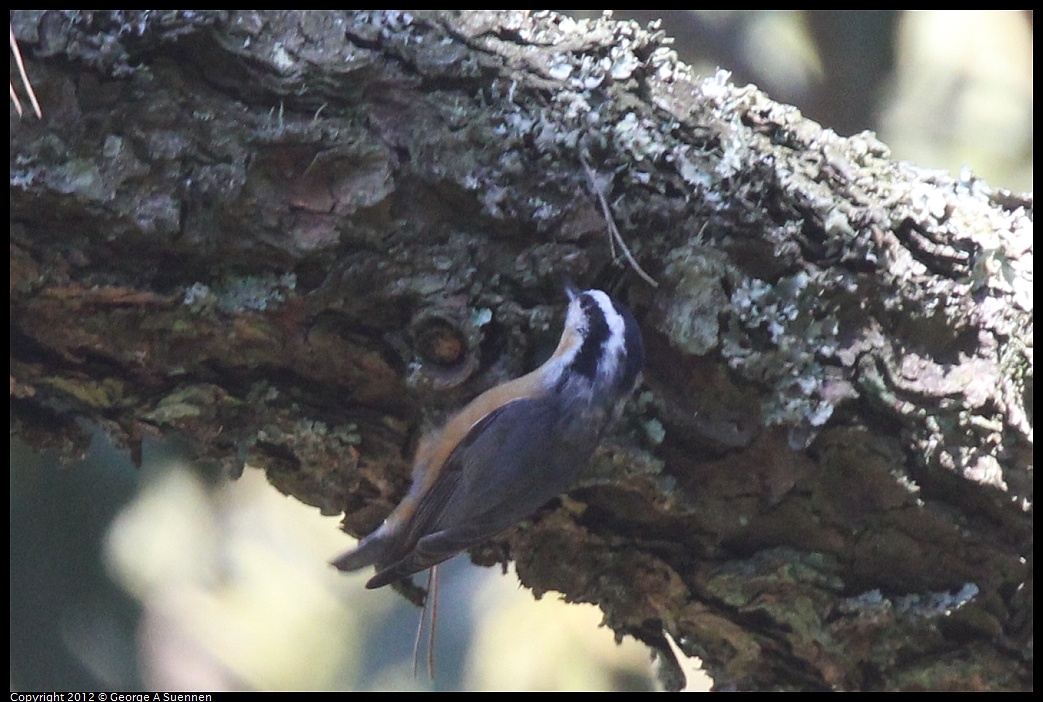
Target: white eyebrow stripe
(614, 346)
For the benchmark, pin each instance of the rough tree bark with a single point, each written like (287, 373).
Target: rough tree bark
(298, 238)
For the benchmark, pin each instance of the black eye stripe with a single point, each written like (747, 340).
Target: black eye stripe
(592, 349)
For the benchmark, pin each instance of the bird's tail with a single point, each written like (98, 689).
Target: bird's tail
(370, 551)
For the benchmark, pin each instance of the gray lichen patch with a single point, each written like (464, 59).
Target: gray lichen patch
(783, 336)
(240, 294)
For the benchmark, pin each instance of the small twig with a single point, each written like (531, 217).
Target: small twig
(14, 99)
(430, 601)
(25, 80)
(434, 624)
(614, 236)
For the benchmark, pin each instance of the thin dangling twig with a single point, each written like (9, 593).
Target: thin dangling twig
(431, 600)
(434, 624)
(614, 236)
(17, 53)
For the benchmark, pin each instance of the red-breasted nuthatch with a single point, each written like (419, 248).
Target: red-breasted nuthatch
(513, 448)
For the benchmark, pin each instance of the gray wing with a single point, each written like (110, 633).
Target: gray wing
(508, 466)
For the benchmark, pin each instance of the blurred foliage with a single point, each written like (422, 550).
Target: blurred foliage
(943, 88)
(229, 588)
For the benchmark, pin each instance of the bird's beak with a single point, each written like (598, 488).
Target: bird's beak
(570, 289)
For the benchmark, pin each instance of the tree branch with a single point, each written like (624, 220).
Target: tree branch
(298, 238)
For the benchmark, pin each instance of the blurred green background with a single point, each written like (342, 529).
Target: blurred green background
(166, 578)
